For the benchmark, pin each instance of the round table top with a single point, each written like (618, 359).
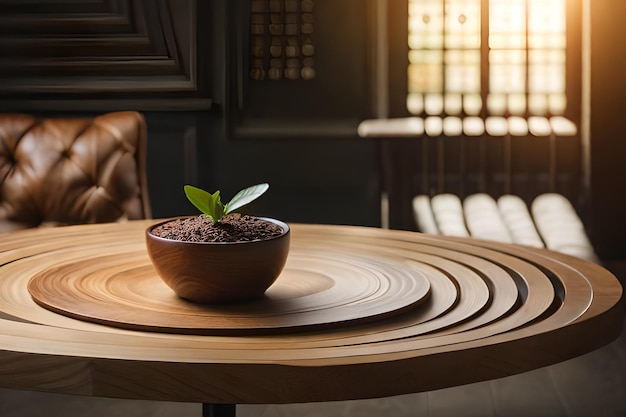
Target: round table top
(357, 313)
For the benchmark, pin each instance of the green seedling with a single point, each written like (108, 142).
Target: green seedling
(211, 204)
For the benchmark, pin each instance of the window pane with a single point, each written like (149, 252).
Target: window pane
(425, 24)
(546, 71)
(415, 103)
(525, 51)
(546, 56)
(517, 104)
(538, 104)
(546, 23)
(507, 24)
(557, 103)
(507, 71)
(462, 71)
(426, 71)
(527, 82)
(444, 56)
(462, 24)
(453, 104)
(433, 104)
(496, 104)
(472, 104)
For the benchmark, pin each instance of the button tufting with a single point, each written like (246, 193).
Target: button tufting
(69, 170)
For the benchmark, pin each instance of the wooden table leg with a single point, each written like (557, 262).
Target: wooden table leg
(218, 410)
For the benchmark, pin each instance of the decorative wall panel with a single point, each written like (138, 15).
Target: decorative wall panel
(281, 43)
(298, 67)
(142, 52)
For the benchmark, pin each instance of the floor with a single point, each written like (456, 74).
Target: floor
(590, 385)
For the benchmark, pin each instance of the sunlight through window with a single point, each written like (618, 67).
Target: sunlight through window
(507, 60)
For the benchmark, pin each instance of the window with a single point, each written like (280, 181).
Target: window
(488, 58)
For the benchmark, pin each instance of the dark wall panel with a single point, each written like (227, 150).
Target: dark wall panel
(96, 55)
(174, 60)
(608, 130)
(330, 104)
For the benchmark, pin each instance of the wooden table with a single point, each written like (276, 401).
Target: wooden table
(357, 313)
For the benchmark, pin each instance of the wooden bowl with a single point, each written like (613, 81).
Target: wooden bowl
(219, 273)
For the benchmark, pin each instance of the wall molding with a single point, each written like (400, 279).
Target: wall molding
(139, 52)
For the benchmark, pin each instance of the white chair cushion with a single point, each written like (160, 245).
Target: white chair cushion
(560, 227)
(448, 214)
(517, 218)
(483, 219)
(551, 222)
(423, 214)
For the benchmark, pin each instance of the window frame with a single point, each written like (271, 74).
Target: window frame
(396, 33)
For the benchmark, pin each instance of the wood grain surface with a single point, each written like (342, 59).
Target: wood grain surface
(357, 313)
(315, 290)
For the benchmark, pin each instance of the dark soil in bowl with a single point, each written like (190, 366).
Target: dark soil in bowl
(234, 227)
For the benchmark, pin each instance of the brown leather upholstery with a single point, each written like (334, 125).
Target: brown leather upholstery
(72, 170)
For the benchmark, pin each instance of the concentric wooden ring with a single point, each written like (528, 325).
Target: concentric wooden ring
(361, 312)
(316, 290)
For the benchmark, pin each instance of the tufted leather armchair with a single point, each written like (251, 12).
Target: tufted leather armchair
(57, 171)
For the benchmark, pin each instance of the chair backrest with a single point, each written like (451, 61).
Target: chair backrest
(56, 171)
(551, 222)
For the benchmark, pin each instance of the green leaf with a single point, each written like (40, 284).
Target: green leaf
(207, 203)
(246, 196)
(211, 204)
(215, 206)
